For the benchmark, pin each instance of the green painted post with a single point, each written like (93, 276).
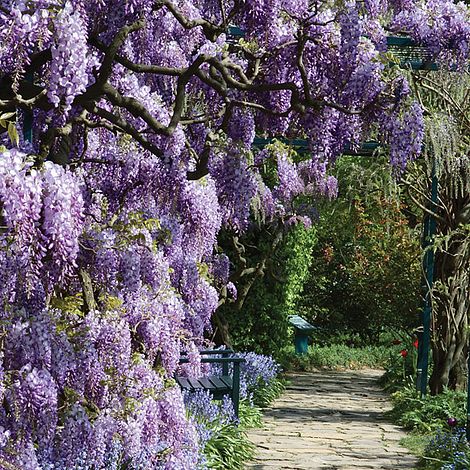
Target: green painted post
(28, 117)
(301, 343)
(425, 339)
(236, 387)
(225, 353)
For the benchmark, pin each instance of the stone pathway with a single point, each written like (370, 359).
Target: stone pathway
(330, 420)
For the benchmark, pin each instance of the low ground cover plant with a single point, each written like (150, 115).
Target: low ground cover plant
(447, 450)
(346, 351)
(337, 357)
(428, 414)
(435, 422)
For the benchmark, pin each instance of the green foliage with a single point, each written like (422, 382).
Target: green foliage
(249, 415)
(7, 121)
(427, 414)
(336, 356)
(296, 258)
(365, 277)
(264, 396)
(262, 323)
(230, 448)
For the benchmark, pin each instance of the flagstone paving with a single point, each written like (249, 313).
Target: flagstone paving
(330, 420)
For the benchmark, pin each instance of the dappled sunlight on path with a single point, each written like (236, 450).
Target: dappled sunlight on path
(330, 420)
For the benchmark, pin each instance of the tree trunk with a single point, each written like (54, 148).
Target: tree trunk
(458, 374)
(451, 305)
(221, 336)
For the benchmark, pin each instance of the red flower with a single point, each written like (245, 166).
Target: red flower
(415, 343)
(404, 353)
(396, 341)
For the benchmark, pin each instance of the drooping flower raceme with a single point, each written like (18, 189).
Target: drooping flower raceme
(69, 75)
(43, 210)
(108, 258)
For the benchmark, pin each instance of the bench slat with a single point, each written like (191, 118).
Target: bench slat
(219, 384)
(195, 384)
(207, 383)
(228, 381)
(183, 382)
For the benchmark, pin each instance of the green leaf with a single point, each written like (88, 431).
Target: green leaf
(6, 116)
(13, 133)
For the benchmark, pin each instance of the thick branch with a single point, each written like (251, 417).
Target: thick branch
(211, 31)
(257, 271)
(135, 107)
(122, 124)
(87, 290)
(201, 169)
(107, 65)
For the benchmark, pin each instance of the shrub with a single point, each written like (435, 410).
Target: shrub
(262, 324)
(448, 450)
(428, 414)
(365, 274)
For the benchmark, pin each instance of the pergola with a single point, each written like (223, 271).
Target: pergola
(412, 56)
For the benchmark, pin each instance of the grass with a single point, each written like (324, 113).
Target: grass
(416, 443)
(336, 357)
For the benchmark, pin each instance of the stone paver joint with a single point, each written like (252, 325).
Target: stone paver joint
(330, 421)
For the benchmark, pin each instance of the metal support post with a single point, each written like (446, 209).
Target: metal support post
(28, 116)
(428, 265)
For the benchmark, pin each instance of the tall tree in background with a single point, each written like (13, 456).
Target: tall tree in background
(128, 128)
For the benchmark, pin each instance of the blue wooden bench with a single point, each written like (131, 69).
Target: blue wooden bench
(217, 385)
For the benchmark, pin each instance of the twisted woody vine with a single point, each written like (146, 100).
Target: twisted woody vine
(125, 147)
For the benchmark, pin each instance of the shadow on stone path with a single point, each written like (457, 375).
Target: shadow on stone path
(330, 420)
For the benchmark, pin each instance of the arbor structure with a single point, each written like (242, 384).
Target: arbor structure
(128, 127)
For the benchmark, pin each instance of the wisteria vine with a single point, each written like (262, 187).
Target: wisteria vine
(144, 114)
